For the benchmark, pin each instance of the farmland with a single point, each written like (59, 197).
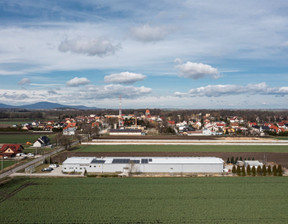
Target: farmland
(21, 138)
(6, 163)
(181, 148)
(145, 200)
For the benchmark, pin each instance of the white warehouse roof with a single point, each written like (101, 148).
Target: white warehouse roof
(150, 160)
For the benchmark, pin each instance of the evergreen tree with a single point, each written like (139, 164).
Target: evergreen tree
(279, 170)
(259, 171)
(274, 169)
(253, 171)
(248, 170)
(232, 160)
(228, 160)
(253, 158)
(243, 171)
(249, 158)
(264, 170)
(269, 170)
(234, 169)
(241, 158)
(236, 160)
(238, 171)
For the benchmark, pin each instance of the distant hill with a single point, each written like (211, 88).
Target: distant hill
(2, 105)
(46, 106)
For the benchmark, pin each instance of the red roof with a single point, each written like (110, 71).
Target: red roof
(17, 148)
(171, 122)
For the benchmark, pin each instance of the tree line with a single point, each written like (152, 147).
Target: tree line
(259, 171)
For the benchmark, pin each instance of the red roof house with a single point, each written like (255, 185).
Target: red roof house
(11, 149)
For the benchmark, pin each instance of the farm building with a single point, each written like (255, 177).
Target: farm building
(42, 142)
(126, 132)
(144, 164)
(252, 163)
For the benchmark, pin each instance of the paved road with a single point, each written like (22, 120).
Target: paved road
(36, 160)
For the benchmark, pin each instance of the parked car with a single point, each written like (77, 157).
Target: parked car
(53, 165)
(30, 155)
(21, 155)
(47, 169)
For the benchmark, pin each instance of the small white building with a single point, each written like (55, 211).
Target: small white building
(252, 163)
(42, 141)
(69, 131)
(144, 164)
(133, 132)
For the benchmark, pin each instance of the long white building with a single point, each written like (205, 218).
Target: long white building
(143, 164)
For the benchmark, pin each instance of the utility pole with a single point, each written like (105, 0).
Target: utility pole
(120, 112)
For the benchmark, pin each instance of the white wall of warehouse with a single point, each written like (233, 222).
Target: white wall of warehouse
(145, 168)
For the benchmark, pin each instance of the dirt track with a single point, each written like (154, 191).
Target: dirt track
(279, 158)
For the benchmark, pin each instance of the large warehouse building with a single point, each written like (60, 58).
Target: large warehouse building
(143, 165)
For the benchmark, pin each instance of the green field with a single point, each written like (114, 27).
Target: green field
(22, 138)
(6, 163)
(180, 148)
(146, 200)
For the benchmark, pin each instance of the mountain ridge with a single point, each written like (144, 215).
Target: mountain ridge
(46, 105)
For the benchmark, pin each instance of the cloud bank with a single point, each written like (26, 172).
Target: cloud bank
(77, 82)
(225, 90)
(147, 33)
(196, 70)
(114, 91)
(89, 47)
(124, 78)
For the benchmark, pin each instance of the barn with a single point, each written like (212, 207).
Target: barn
(143, 164)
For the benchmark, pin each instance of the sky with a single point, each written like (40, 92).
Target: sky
(191, 54)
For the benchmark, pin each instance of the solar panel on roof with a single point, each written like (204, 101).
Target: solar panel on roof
(97, 161)
(144, 160)
(120, 160)
(135, 161)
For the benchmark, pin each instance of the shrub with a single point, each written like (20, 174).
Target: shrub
(248, 170)
(269, 170)
(264, 170)
(234, 169)
(243, 171)
(228, 160)
(259, 171)
(238, 171)
(274, 170)
(279, 170)
(253, 171)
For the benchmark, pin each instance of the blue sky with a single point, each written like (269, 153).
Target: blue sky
(155, 54)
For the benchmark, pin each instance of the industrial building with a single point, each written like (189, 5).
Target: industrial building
(143, 165)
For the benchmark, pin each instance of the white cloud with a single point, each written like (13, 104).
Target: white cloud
(124, 78)
(88, 95)
(147, 33)
(24, 81)
(13, 95)
(114, 91)
(77, 82)
(89, 46)
(226, 90)
(197, 70)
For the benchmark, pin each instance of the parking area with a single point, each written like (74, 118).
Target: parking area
(56, 172)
